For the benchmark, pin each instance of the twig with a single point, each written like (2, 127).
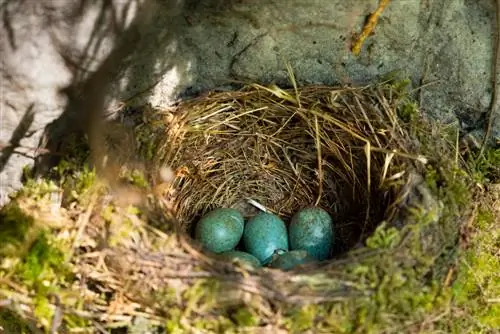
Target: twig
(369, 26)
(37, 150)
(320, 160)
(491, 112)
(257, 205)
(83, 221)
(449, 276)
(99, 327)
(58, 316)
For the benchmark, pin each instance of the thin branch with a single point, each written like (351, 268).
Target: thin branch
(495, 64)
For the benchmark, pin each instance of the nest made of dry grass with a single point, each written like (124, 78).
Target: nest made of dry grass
(342, 149)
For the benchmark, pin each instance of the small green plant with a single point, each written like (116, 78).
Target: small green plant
(245, 317)
(43, 263)
(37, 189)
(478, 283)
(80, 183)
(408, 111)
(11, 322)
(487, 167)
(384, 237)
(136, 178)
(43, 270)
(16, 230)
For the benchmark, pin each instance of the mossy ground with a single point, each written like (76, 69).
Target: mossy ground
(439, 274)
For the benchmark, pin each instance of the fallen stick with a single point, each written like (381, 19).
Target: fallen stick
(369, 27)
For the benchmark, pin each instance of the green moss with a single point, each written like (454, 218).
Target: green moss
(244, 317)
(74, 321)
(397, 81)
(16, 230)
(487, 167)
(301, 319)
(43, 263)
(394, 288)
(216, 324)
(406, 108)
(80, 184)
(11, 322)
(37, 189)
(43, 272)
(137, 178)
(478, 282)
(173, 324)
(384, 237)
(43, 310)
(146, 135)
(408, 112)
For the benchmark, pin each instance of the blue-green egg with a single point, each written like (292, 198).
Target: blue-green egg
(311, 229)
(242, 257)
(291, 259)
(220, 230)
(264, 234)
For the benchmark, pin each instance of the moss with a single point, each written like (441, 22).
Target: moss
(301, 319)
(146, 134)
(477, 284)
(408, 112)
(74, 321)
(79, 186)
(11, 322)
(136, 178)
(44, 272)
(406, 108)
(173, 324)
(37, 189)
(487, 167)
(244, 317)
(43, 263)
(395, 289)
(17, 230)
(40, 269)
(384, 237)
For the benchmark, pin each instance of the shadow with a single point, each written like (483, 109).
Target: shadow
(149, 49)
(131, 59)
(19, 133)
(6, 8)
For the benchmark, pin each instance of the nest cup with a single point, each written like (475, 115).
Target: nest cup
(341, 149)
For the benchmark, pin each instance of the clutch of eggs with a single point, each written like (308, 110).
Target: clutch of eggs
(266, 239)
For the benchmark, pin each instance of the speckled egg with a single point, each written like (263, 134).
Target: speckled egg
(243, 257)
(291, 259)
(311, 229)
(220, 230)
(264, 234)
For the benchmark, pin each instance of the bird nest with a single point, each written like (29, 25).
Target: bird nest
(345, 150)
(341, 149)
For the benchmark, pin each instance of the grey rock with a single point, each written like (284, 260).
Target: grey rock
(62, 59)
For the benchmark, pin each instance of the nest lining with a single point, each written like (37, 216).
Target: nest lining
(339, 148)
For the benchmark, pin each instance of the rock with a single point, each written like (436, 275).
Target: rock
(58, 59)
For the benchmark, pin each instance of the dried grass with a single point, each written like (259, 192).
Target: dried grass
(340, 148)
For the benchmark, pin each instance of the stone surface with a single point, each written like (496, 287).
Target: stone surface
(64, 62)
